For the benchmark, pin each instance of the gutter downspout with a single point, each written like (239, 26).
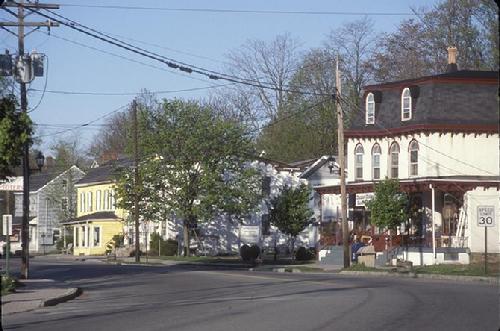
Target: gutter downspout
(433, 224)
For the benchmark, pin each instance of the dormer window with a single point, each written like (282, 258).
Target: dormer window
(406, 105)
(370, 109)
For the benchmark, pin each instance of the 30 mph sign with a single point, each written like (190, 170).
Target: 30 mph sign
(485, 216)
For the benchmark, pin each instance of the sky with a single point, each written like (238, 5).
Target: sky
(200, 38)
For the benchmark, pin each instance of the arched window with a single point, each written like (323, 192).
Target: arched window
(413, 150)
(406, 105)
(370, 109)
(376, 161)
(394, 157)
(358, 161)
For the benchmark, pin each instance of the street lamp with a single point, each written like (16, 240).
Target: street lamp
(40, 159)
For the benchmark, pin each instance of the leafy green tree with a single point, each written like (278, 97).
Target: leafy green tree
(195, 164)
(290, 211)
(389, 206)
(15, 130)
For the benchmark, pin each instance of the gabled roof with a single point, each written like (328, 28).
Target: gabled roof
(39, 180)
(318, 164)
(105, 173)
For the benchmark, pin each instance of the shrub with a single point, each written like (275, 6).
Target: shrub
(245, 252)
(304, 254)
(8, 284)
(254, 252)
(166, 247)
(132, 253)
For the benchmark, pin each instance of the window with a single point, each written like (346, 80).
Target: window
(358, 161)
(106, 200)
(370, 109)
(405, 105)
(98, 200)
(394, 157)
(111, 200)
(97, 236)
(64, 204)
(376, 161)
(89, 201)
(82, 202)
(64, 184)
(413, 149)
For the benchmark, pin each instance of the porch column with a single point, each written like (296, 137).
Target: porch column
(85, 235)
(433, 205)
(75, 241)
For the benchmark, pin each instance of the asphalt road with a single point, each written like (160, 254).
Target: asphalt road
(195, 298)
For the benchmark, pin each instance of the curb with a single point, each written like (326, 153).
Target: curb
(69, 295)
(487, 280)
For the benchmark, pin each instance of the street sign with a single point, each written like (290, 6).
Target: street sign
(486, 216)
(7, 225)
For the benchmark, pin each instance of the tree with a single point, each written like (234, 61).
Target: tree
(418, 47)
(67, 152)
(15, 131)
(263, 64)
(389, 206)
(195, 164)
(290, 211)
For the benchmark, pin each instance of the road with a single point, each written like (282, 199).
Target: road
(200, 298)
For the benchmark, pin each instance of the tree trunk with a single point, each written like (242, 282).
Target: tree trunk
(293, 248)
(186, 237)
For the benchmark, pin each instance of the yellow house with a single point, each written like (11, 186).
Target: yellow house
(98, 220)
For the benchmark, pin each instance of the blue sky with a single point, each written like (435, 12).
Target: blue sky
(199, 38)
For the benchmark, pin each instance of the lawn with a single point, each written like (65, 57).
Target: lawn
(458, 270)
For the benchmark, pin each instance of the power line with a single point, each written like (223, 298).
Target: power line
(241, 11)
(84, 124)
(64, 92)
(160, 58)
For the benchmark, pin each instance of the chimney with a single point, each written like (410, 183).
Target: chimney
(452, 59)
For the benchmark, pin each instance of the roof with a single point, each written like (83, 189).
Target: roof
(39, 180)
(106, 172)
(101, 215)
(318, 164)
(460, 101)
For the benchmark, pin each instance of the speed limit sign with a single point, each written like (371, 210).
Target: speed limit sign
(485, 216)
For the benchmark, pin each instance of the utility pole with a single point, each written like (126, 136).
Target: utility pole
(21, 5)
(343, 193)
(136, 182)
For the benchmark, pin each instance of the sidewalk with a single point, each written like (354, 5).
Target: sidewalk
(37, 293)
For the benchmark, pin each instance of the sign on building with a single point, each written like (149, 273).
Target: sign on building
(486, 216)
(363, 198)
(250, 234)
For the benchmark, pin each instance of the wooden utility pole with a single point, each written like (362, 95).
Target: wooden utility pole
(21, 5)
(136, 183)
(343, 193)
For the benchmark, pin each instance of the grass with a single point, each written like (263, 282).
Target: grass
(458, 270)
(361, 267)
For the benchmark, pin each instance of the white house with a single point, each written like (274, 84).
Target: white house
(438, 135)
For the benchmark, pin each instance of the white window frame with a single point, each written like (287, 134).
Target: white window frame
(106, 200)
(98, 202)
(376, 151)
(370, 109)
(89, 201)
(359, 151)
(406, 95)
(394, 150)
(413, 165)
(82, 202)
(112, 200)
(94, 236)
